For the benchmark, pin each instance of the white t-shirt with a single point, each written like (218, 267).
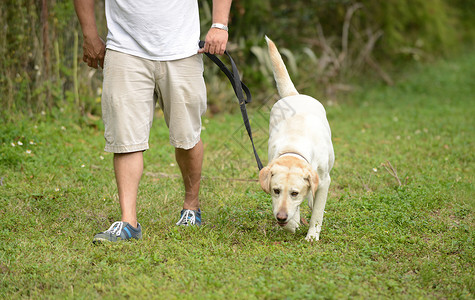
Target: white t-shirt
(153, 29)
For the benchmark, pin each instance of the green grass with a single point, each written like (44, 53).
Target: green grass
(379, 239)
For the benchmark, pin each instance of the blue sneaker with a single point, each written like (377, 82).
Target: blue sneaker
(119, 231)
(190, 217)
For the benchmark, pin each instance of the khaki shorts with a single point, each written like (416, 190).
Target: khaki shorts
(131, 88)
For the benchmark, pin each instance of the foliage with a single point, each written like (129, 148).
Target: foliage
(380, 239)
(430, 26)
(415, 28)
(36, 68)
(41, 56)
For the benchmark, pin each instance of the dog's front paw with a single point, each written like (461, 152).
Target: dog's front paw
(311, 238)
(291, 226)
(312, 234)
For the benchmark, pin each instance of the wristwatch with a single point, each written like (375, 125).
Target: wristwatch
(219, 26)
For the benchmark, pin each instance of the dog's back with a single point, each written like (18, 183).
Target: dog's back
(282, 79)
(298, 122)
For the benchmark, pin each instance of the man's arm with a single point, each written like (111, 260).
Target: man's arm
(93, 47)
(216, 39)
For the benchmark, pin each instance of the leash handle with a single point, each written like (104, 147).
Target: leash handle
(238, 87)
(232, 76)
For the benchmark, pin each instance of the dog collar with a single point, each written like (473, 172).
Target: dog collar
(294, 154)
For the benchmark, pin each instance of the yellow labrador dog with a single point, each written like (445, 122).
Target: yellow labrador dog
(300, 153)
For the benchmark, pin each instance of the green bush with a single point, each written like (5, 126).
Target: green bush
(429, 26)
(415, 27)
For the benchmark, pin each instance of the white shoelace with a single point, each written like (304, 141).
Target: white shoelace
(116, 228)
(189, 216)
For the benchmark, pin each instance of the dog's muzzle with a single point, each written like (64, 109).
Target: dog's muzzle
(282, 218)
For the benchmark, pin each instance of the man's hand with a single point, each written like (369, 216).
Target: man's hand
(94, 50)
(215, 41)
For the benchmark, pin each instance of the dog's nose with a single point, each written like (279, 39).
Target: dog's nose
(281, 217)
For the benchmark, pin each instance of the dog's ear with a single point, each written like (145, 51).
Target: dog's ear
(313, 180)
(264, 179)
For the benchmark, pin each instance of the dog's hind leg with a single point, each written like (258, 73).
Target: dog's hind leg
(315, 224)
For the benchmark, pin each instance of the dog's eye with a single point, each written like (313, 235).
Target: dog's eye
(294, 194)
(276, 191)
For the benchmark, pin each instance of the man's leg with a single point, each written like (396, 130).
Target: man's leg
(183, 101)
(128, 171)
(127, 112)
(190, 162)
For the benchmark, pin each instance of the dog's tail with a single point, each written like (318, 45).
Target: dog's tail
(281, 76)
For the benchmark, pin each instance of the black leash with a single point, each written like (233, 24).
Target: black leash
(238, 87)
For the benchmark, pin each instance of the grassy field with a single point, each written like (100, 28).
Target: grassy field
(402, 236)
